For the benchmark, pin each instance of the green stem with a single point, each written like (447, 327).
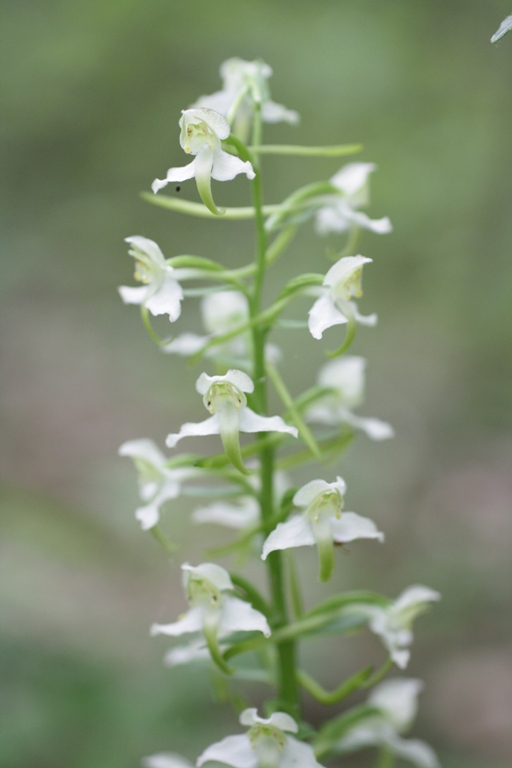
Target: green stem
(287, 686)
(291, 149)
(162, 539)
(386, 758)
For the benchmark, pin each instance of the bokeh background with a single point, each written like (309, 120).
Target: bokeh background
(92, 95)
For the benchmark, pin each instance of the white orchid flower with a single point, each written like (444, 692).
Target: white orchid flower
(397, 702)
(222, 312)
(244, 515)
(213, 610)
(224, 397)
(202, 131)
(322, 524)
(340, 212)
(244, 84)
(157, 482)
(267, 744)
(334, 306)
(346, 378)
(165, 760)
(161, 293)
(393, 623)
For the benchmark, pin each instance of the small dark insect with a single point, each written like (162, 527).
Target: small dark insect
(178, 189)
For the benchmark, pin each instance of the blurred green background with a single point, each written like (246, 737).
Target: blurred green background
(92, 95)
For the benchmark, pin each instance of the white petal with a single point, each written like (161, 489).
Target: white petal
(297, 754)
(148, 516)
(165, 760)
(280, 720)
(220, 101)
(324, 314)
(149, 247)
(369, 320)
(417, 752)
(398, 699)
(296, 532)
(308, 493)
(209, 426)
(226, 167)
(414, 595)
(233, 750)
(352, 177)
(344, 268)
(332, 219)
(175, 174)
(253, 422)
(347, 375)
(505, 26)
(184, 654)
(166, 299)
(239, 379)
(213, 120)
(352, 526)
(230, 515)
(239, 616)
(215, 574)
(191, 621)
(379, 226)
(277, 113)
(374, 428)
(133, 295)
(143, 449)
(186, 344)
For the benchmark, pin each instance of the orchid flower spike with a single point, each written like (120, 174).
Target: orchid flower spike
(393, 623)
(213, 610)
(267, 744)
(340, 211)
(161, 293)
(322, 523)
(202, 131)
(334, 306)
(157, 482)
(224, 397)
(244, 85)
(397, 702)
(345, 377)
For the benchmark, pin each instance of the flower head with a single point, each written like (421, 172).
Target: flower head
(267, 744)
(345, 377)
(322, 523)
(393, 623)
(157, 482)
(339, 212)
(334, 306)
(214, 611)
(202, 131)
(161, 293)
(244, 84)
(396, 701)
(224, 397)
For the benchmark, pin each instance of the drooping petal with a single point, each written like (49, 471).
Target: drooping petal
(415, 598)
(144, 449)
(184, 654)
(351, 526)
(233, 750)
(239, 616)
(297, 754)
(203, 173)
(415, 751)
(135, 295)
(166, 299)
(369, 320)
(324, 314)
(352, 178)
(209, 426)
(374, 428)
(379, 226)
(186, 344)
(295, 532)
(175, 175)
(191, 621)
(239, 517)
(226, 167)
(277, 113)
(331, 219)
(148, 247)
(253, 422)
(147, 516)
